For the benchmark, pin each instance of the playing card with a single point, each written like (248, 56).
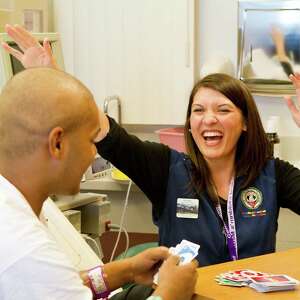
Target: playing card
(193, 246)
(223, 281)
(250, 273)
(172, 250)
(265, 289)
(261, 282)
(274, 280)
(186, 250)
(186, 254)
(233, 277)
(242, 275)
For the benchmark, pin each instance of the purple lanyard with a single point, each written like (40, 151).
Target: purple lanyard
(230, 232)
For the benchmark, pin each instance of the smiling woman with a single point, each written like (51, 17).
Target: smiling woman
(223, 120)
(216, 125)
(228, 158)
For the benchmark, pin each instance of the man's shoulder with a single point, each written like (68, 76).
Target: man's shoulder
(21, 233)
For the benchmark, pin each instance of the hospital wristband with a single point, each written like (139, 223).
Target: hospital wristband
(97, 282)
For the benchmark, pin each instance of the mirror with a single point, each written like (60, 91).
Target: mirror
(269, 44)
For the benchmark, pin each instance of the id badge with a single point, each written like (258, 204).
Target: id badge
(187, 208)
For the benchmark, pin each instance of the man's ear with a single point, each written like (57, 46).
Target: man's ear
(55, 139)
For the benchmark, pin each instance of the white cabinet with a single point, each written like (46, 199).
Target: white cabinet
(141, 50)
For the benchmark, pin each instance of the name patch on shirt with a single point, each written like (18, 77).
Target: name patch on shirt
(187, 208)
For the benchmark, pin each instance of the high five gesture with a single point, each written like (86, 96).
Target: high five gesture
(32, 53)
(294, 108)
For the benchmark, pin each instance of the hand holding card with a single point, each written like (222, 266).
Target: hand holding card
(186, 250)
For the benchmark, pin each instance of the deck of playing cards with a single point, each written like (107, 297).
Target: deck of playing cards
(261, 282)
(186, 250)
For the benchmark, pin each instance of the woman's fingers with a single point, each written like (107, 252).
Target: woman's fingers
(14, 52)
(22, 38)
(28, 38)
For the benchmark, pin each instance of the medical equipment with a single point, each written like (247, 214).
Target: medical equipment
(98, 169)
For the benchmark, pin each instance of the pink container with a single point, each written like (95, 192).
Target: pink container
(173, 137)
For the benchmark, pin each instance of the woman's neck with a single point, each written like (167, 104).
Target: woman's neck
(221, 174)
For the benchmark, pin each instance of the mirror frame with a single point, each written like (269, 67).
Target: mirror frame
(260, 85)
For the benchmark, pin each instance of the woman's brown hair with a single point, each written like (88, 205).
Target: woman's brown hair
(253, 148)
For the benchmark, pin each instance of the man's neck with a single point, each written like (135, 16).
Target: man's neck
(27, 182)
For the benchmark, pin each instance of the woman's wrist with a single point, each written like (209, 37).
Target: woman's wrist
(104, 125)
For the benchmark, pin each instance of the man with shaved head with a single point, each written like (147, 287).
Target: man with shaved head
(49, 124)
(41, 112)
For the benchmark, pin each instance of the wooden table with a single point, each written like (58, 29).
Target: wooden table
(285, 262)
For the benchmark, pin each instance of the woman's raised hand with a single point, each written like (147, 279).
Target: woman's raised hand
(31, 53)
(294, 108)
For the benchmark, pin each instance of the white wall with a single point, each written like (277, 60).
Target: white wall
(63, 24)
(218, 21)
(218, 37)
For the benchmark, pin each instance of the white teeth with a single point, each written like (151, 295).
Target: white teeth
(212, 133)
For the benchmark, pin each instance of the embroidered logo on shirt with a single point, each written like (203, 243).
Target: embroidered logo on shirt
(252, 198)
